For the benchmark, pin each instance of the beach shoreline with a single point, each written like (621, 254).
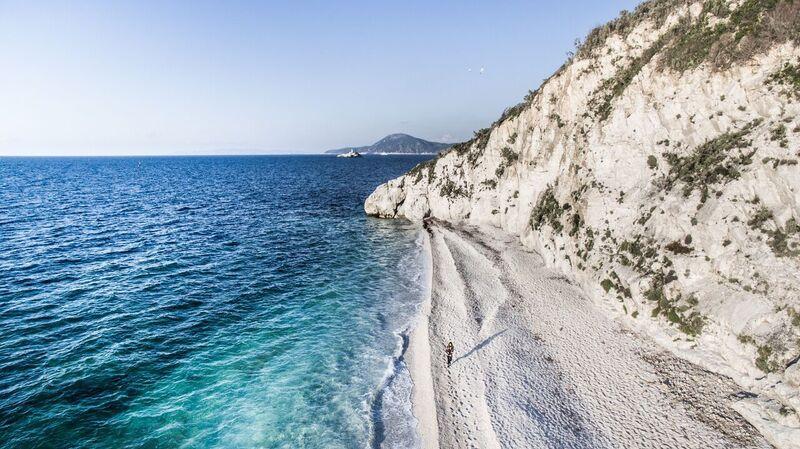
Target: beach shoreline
(418, 361)
(531, 364)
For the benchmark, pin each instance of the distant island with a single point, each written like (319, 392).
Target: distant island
(397, 144)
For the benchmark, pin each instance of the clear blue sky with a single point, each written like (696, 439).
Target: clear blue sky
(171, 77)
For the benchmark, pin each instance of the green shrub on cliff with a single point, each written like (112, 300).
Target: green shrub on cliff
(424, 168)
(787, 77)
(449, 189)
(509, 156)
(711, 163)
(677, 247)
(764, 360)
(676, 311)
(547, 211)
(737, 35)
(762, 215)
(653, 10)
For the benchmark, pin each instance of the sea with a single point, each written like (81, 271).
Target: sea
(204, 302)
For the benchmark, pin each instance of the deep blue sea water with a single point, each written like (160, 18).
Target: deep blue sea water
(230, 302)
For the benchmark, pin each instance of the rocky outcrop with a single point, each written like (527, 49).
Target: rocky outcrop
(659, 168)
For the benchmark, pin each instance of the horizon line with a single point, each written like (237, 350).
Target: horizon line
(65, 156)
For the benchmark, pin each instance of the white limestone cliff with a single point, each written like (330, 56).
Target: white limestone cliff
(659, 168)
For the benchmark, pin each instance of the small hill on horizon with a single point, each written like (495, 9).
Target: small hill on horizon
(397, 144)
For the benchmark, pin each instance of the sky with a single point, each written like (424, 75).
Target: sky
(197, 77)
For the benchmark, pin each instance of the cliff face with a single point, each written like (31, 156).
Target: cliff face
(659, 168)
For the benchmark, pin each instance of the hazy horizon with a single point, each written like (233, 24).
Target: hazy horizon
(143, 78)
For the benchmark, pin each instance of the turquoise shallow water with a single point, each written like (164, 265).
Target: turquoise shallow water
(203, 302)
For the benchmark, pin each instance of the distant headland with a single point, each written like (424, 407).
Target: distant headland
(397, 144)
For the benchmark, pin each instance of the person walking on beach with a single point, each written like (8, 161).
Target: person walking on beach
(449, 351)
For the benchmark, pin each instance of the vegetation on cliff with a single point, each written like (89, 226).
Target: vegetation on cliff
(611, 189)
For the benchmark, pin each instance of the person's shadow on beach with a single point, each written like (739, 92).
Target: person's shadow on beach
(479, 346)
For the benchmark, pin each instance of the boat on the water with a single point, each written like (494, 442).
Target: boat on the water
(351, 153)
